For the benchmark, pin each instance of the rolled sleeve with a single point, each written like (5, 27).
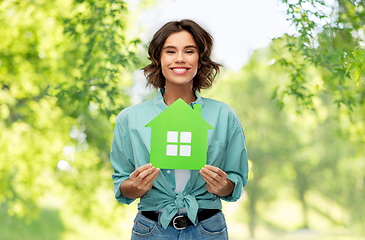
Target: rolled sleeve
(236, 162)
(121, 158)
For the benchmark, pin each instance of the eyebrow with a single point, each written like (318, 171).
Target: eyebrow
(188, 46)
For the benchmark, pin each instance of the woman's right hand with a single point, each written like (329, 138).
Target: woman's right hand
(139, 182)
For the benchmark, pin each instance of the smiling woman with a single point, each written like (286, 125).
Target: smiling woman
(200, 39)
(179, 63)
(179, 204)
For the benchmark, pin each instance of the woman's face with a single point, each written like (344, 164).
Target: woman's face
(179, 59)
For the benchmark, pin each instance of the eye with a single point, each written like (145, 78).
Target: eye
(170, 51)
(189, 51)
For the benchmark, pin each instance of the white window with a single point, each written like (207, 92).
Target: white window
(185, 137)
(172, 136)
(171, 150)
(184, 149)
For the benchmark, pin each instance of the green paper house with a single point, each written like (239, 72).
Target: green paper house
(179, 137)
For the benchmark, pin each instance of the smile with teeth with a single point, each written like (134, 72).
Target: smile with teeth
(179, 70)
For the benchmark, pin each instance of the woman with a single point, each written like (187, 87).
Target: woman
(179, 204)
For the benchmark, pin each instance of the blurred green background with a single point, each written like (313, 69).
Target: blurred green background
(67, 67)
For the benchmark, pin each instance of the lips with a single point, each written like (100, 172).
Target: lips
(179, 70)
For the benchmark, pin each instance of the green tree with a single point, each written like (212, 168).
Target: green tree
(330, 38)
(64, 71)
(293, 149)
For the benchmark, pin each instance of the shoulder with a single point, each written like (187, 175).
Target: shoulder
(221, 107)
(221, 114)
(135, 110)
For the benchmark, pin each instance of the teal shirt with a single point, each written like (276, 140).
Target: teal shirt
(226, 149)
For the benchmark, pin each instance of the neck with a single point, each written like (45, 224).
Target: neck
(173, 92)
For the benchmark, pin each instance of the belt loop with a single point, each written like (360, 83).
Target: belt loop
(159, 216)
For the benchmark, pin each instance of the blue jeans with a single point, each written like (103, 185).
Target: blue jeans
(213, 228)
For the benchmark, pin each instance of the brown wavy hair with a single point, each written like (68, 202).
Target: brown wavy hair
(208, 69)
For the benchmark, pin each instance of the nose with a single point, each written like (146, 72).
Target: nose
(179, 58)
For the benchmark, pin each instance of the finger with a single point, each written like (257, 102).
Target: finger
(150, 178)
(211, 187)
(212, 174)
(217, 170)
(146, 183)
(142, 175)
(210, 181)
(153, 174)
(215, 182)
(139, 170)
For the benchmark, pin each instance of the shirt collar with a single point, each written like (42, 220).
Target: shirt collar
(161, 106)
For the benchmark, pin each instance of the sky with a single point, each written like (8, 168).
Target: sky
(237, 26)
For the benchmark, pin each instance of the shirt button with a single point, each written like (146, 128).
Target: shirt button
(168, 171)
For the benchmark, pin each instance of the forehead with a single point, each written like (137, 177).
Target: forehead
(180, 39)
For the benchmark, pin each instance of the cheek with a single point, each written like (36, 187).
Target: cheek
(164, 69)
(196, 60)
(164, 62)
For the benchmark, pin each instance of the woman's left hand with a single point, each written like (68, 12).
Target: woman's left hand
(217, 182)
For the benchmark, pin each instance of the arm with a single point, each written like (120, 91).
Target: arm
(228, 181)
(236, 162)
(129, 183)
(139, 182)
(123, 162)
(217, 182)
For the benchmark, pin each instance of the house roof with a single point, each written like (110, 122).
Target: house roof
(180, 116)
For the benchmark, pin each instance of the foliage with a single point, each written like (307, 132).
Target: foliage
(97, 29)
(298, 150)
(48, 226)
(332, 39)
(64, 70)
